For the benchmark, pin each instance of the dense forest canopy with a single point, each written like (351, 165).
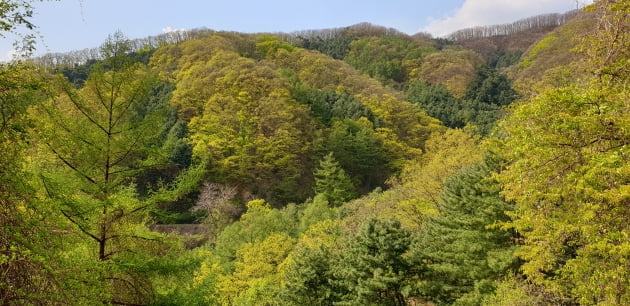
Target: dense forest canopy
(346, 166)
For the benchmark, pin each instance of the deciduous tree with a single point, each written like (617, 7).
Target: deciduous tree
(95, 140)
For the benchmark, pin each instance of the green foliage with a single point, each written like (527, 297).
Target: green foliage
(555, 51)
(268, 45)
(28, 251)
(77, 75)
(255, 280)
(543, 44)
(255, 225)
(437, 101)
(91, 144)
(307, 277)
(336, 47)
(575, 161)
(513, 290)
(179, 149)
(332, 182)
(88, 159)
(245, 125)
(316, 211)
(373, 269)
(490, 87)
(480, 106)
(569, 173)
(16, 20)
(327, 105)
(461, 252)
(505, 59)
(386, 58)
(358, 150)
(173, 275)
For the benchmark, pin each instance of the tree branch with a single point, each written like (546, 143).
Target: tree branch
(78, 106)
(80, 226)
(65, 161)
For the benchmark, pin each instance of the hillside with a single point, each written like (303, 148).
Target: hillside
(502, 45)
(348, 166)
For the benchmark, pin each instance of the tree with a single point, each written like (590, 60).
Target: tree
(332, 181)
(97, 138)
(31, 270)
(15, 15)
(490, 87)
(382, 57)
(422, 181)
(328, 105)
(480, 106)
(355, 145)
(216, 202)
(373, 270)
(308, 275)
(256, 224)
(245, 125)
(569, 170)
(454, 69)
(256, 280)
(315, 211)
(437, 101)
(336, 47)
(462, 255)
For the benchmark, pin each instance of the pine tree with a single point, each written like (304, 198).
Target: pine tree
(373, 270)
(332, 181)
(460, 251)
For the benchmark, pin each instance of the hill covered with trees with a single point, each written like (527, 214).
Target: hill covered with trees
(346, 166)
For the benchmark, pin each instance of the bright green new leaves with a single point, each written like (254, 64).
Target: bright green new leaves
(422, 181)
(570, 173)
(91, 144)
(608, 49)
(256, 224)
(31, 271)
(246, 126)
(256, 280)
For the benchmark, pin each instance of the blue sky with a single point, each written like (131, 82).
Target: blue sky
(77, 24)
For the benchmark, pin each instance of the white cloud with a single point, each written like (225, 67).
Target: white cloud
(9, 56)
(171, 30)
(488, 12)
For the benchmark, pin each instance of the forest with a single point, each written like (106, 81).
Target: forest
(347, 166)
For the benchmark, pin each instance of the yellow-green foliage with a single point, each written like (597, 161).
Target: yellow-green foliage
(405, 126)
(569, 174)
(243, 120)
(533, 53)
(267, 45)
(554, 52)
(389, 59)
(421, 181)
(454, 69)
(256, 279)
